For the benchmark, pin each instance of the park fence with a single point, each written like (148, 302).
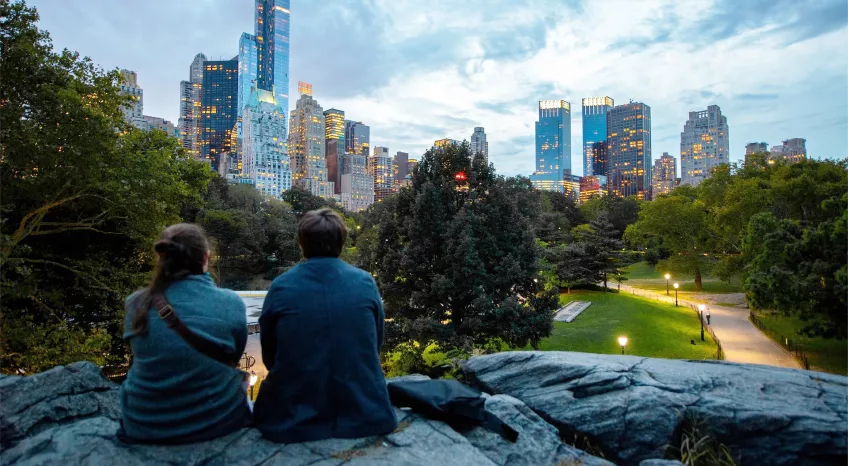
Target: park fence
(791, 346)
(719, 354)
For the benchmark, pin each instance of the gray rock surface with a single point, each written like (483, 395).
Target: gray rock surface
(69, 415)
(635, 408)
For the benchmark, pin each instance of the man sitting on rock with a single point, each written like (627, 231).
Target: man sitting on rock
(321, 331)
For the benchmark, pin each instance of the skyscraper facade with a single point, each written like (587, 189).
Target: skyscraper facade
(272, 33)
(151, 122)
(592, 186)
(357, 191)
(704, 145)
(400, 168)
(334, 145)
(306, 147)
(479, 143)
(248, 64)
(445, 143)
(191, 102)
(792, 150)
(357, 137)
(553, 145)
(571, 187)
(134, 113)
(595, 134)
(663, 175)
(265, 160)
(218, 109)
(629, 150)
(380, 169)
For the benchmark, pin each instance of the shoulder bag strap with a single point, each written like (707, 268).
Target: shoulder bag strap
(202, 345)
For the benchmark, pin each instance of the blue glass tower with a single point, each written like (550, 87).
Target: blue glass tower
(218, 109)
(595, 134)
(248, 61)
(272, 41)
(553, 145)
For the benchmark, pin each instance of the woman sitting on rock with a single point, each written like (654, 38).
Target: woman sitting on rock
(321, 331)
(174, 393)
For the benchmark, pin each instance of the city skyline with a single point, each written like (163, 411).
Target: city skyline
(421, 74)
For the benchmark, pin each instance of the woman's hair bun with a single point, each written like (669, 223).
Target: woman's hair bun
(166, 246)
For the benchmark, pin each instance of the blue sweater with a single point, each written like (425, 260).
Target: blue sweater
(173, 393)
(321, 332)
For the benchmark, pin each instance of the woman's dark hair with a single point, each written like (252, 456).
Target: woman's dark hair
(321, 233)
(180, 250)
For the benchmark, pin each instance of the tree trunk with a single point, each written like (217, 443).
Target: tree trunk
(697, 279)
(568, 289)
(605, 282)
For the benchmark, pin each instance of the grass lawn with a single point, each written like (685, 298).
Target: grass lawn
(824, 354)
(643, 275)
(653, 329)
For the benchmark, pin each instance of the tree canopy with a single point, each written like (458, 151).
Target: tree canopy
(456, 260)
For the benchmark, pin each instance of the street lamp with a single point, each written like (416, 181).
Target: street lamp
(667, 277)
(622, 341)
(252, 382)
(701, 309)
(676, 286)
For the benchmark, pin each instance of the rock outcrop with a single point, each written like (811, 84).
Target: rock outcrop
(69, 415)
(635, 408)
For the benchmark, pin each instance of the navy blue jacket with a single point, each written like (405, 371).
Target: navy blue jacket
(321, 331)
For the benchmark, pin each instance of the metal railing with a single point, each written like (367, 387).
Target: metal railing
(785, 342)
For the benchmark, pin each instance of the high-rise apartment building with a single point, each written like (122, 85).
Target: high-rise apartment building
(218, 109)
(592, 186)
(380, 169)
(357, 191)
(248, 69)
(571, 187)
(265, 160)
(663, 175)
(151, 122)
(400, 167)
(191, 102)
(133, 113)
(334, 147)
(272, 34)
(553, 145)
(756, 148)
(629, 150)
(357, 138)
(595, 134)
(704, 145)
(441, 144)
(792, 151)
(479, 143)
(410, 167)
(307, 133)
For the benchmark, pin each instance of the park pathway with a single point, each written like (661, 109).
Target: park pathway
(740, 340)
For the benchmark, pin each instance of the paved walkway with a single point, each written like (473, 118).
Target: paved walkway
(740, 340)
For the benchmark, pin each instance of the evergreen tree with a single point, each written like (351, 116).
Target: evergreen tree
(455, 256)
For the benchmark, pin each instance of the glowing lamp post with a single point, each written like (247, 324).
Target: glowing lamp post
(701, 309)
(667, 278)
(252, 382)
(622, 341)
(676, 286)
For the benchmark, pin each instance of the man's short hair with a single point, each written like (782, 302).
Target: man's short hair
(321, 233)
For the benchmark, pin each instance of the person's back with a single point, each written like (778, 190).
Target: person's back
(174, 393)
(321, 330)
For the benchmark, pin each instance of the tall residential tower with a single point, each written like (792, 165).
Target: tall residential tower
(191, 101)
(479, 143)
(704, 145)
(218, 110)
(306, 144)
(595, 134)
(272, 34)
(553, 145)
(629, 150)
(334, 145)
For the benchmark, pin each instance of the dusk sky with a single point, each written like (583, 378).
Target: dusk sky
(419, 71)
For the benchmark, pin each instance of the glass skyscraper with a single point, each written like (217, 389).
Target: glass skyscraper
(248, 61)
(266, 162)
(357, 137)
(629, 150)
(218, 109)
(334, 145)
(595, 134)
(553, 145)
(272, 41)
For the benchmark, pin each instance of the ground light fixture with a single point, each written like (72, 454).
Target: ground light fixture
(667, 278)
(252, 382)
(676, 286)
(622, 341)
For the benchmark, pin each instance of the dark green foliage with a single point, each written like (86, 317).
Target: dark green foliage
(83, 197)
(457, 263)
(621, 212)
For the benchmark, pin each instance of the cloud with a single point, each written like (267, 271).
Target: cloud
(417, 72)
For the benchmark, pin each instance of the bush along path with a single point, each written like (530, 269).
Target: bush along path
(740, 340)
